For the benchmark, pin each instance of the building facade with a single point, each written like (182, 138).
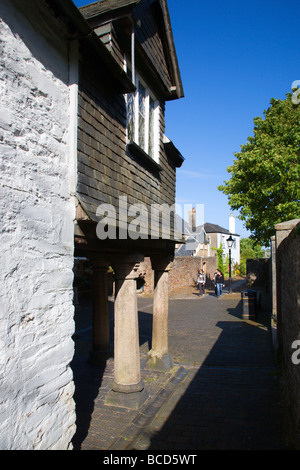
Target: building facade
(203, 240)
(216, 236)
(126, 169)
(83, 150)
(37, 230)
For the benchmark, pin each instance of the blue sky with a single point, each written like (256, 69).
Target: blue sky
(233, 57)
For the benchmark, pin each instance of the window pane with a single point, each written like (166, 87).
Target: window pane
(130, 110)
(151, 127)
(141, 129)
(130, 116)
(141, 117)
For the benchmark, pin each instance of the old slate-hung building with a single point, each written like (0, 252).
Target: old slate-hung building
(126, 131)
(125, 161)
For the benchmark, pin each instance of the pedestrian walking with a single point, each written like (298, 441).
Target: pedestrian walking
(219, 282)
(201, 282)
(214, 281)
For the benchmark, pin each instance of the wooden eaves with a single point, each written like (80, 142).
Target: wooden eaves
(80, 29)
(122, 12)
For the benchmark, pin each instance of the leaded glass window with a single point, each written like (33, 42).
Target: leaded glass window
(130, 116)
(151, 127)
(142, 118)
(130, 111)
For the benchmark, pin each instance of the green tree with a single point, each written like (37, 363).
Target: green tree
(220, 258)
(264, 184)
(249, 249)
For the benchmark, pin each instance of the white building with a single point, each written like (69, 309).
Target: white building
(204, 240)
(36, 229)
(216, 236)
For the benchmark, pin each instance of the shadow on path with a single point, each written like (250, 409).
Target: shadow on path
(229, 398)
(233, 400)
(88, 378)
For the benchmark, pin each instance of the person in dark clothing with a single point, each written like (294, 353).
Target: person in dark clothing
(214, 281)
(219, 281)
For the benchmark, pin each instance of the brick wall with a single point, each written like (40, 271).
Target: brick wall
(185, 270)
(183, 273)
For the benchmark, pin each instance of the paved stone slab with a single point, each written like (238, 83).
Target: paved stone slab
(222, 393)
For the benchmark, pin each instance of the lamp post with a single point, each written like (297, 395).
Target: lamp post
(230, 242)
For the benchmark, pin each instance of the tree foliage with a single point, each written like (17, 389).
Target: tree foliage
(264, 184)
(220, 259)
(249, 250)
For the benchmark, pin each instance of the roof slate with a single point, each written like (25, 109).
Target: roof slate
(213, 228)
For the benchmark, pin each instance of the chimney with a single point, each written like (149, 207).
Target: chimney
(192, 219)
(231, 224)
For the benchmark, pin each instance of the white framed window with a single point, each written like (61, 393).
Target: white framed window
(143, 118)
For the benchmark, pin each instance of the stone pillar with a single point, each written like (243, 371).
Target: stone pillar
(159, 357)
(101, 338)
(127, 385)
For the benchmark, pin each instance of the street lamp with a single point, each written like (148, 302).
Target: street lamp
(230, 242)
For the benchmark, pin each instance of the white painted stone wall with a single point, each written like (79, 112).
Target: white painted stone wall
(36, 234)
